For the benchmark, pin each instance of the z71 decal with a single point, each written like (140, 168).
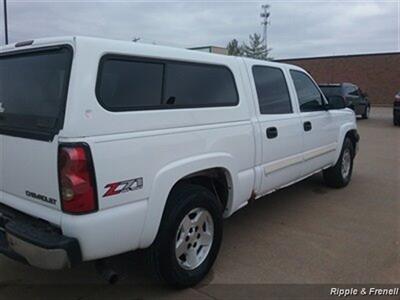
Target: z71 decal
(123, 186)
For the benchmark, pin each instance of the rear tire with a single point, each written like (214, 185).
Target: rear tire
(189, 236)
(365, 115)
(339, 175)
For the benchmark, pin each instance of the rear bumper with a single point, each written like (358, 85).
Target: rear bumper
(36, 242)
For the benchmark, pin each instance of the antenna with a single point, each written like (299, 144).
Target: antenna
(265, 14)
(5, 22)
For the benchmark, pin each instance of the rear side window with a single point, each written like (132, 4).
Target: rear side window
(195, 85)
(310, 98)
(351, 89)
(126, 84)
(355, 91)
(331, 90)
(272, 90)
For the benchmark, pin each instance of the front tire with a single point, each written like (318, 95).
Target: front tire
(339, 175)
(189, 236)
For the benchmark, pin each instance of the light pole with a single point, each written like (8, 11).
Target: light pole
(5, 22)
(265, 21)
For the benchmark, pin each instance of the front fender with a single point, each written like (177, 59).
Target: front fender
(344, 129)
(168, 176)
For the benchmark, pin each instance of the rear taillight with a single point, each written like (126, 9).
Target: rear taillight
(76, 179)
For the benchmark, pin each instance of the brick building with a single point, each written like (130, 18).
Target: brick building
(376, 74)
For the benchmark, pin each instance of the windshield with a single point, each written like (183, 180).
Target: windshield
(331, 90)
(33, 89)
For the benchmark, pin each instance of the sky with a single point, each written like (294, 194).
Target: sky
(297, 28)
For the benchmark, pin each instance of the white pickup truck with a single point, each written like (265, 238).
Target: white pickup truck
(110, 146)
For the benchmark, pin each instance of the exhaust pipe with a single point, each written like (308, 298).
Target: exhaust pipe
(104, 270)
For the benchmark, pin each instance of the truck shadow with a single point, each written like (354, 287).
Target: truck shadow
(262, 213)
(135, 277)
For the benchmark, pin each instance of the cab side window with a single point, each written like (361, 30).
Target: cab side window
(272, 90)
(310, 98)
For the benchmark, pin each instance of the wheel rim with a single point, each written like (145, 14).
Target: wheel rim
(194, 238)
(346, 163)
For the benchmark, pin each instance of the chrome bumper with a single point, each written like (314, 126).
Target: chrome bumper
(51, 259)
(35, 242)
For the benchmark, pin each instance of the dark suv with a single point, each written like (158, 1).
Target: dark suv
(352, 95)
(396, 110)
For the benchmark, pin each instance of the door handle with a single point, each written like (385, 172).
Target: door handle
(272, 132)
(307, 126)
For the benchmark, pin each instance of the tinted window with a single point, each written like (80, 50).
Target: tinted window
(125, 84)
(132, 84)
(310, 99)
(331, 90)
(191, 85)
(34, 83)
(351, 89)
(272, 91)
(355, 92)
(33, 88)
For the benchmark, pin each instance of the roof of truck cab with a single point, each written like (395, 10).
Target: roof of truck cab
(38, 43)
(128, 45)
(330, 84)
(336, 84)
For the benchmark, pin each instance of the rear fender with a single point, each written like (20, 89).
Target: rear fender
(168, 176)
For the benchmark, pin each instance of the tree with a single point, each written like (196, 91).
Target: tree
(234, 48)
(256, 48)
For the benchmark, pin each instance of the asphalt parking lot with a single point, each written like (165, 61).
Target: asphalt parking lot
(304, 234)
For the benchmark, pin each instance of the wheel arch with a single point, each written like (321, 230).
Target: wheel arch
(217, 180)
(353, 136)
(193, 168)
(347, 130)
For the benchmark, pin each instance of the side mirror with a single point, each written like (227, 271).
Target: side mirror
(336, 102)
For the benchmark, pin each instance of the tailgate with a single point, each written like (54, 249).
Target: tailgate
(29, 171)
(33, 92)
